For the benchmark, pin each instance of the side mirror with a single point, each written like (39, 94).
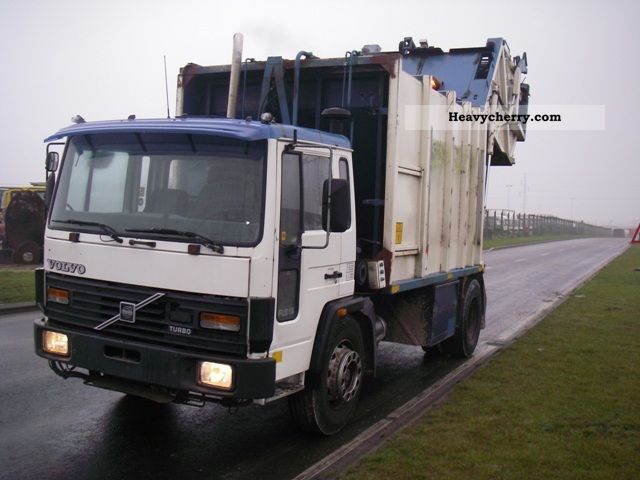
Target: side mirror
(338, 211)
(51, 162)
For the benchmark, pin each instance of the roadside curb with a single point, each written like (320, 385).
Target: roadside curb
(375, 436)
(9, 308)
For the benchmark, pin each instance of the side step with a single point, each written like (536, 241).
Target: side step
(284, 388)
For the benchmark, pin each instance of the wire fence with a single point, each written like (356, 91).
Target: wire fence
(508, 223)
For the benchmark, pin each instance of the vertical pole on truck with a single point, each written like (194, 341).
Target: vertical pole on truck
(234, 80)
(166, 84)
(296, 83)
(244, 84)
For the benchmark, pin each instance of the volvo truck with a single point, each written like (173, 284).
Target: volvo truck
(291, 216)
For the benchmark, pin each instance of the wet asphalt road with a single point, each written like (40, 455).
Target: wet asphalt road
(59, 429)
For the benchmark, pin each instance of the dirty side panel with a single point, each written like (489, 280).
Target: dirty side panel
(435, 172)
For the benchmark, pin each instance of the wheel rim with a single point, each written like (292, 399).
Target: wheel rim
(345, 375)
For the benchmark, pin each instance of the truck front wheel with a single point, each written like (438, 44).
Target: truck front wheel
(465, 340)
(327, 407)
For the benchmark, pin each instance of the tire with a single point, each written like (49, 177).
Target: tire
(27, 253)
(327, 408)
(465, 339)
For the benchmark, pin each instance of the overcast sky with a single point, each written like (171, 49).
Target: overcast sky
(103, 60)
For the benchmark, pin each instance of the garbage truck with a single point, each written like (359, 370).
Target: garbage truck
(291, 216)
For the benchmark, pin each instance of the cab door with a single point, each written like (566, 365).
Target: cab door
(309, 258)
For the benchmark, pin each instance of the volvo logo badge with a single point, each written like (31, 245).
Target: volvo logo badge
(128, 312)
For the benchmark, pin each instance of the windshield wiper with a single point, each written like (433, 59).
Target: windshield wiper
(106, 229)
(202, 240)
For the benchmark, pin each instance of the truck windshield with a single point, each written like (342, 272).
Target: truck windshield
(207, 185)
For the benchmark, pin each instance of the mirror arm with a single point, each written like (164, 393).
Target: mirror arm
(49, 145)
(289, 147)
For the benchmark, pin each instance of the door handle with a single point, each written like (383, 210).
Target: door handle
(333, 275)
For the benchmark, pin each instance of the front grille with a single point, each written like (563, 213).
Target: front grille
(92, 302)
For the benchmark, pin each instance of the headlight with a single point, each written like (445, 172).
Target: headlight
(57, 295)
(216, 375)
(55, 343)
(218, 321)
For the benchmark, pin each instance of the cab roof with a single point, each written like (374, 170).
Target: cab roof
(223, 127)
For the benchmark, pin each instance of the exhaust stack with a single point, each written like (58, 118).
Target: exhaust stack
(234, 80)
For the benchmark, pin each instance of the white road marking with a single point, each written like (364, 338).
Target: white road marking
(521, 260)
(544, 254)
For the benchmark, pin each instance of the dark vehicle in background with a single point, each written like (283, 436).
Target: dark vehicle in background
(22, 228)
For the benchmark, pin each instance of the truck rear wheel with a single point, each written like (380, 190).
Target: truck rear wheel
(327, 408)
(465, 340)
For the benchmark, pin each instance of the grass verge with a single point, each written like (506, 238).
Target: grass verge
(17, 286)
(562, 402)
(507, 241)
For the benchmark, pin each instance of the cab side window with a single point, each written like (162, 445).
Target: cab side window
(303, 179)
(315, 172)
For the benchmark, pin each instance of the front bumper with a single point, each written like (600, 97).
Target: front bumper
(157, 366)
